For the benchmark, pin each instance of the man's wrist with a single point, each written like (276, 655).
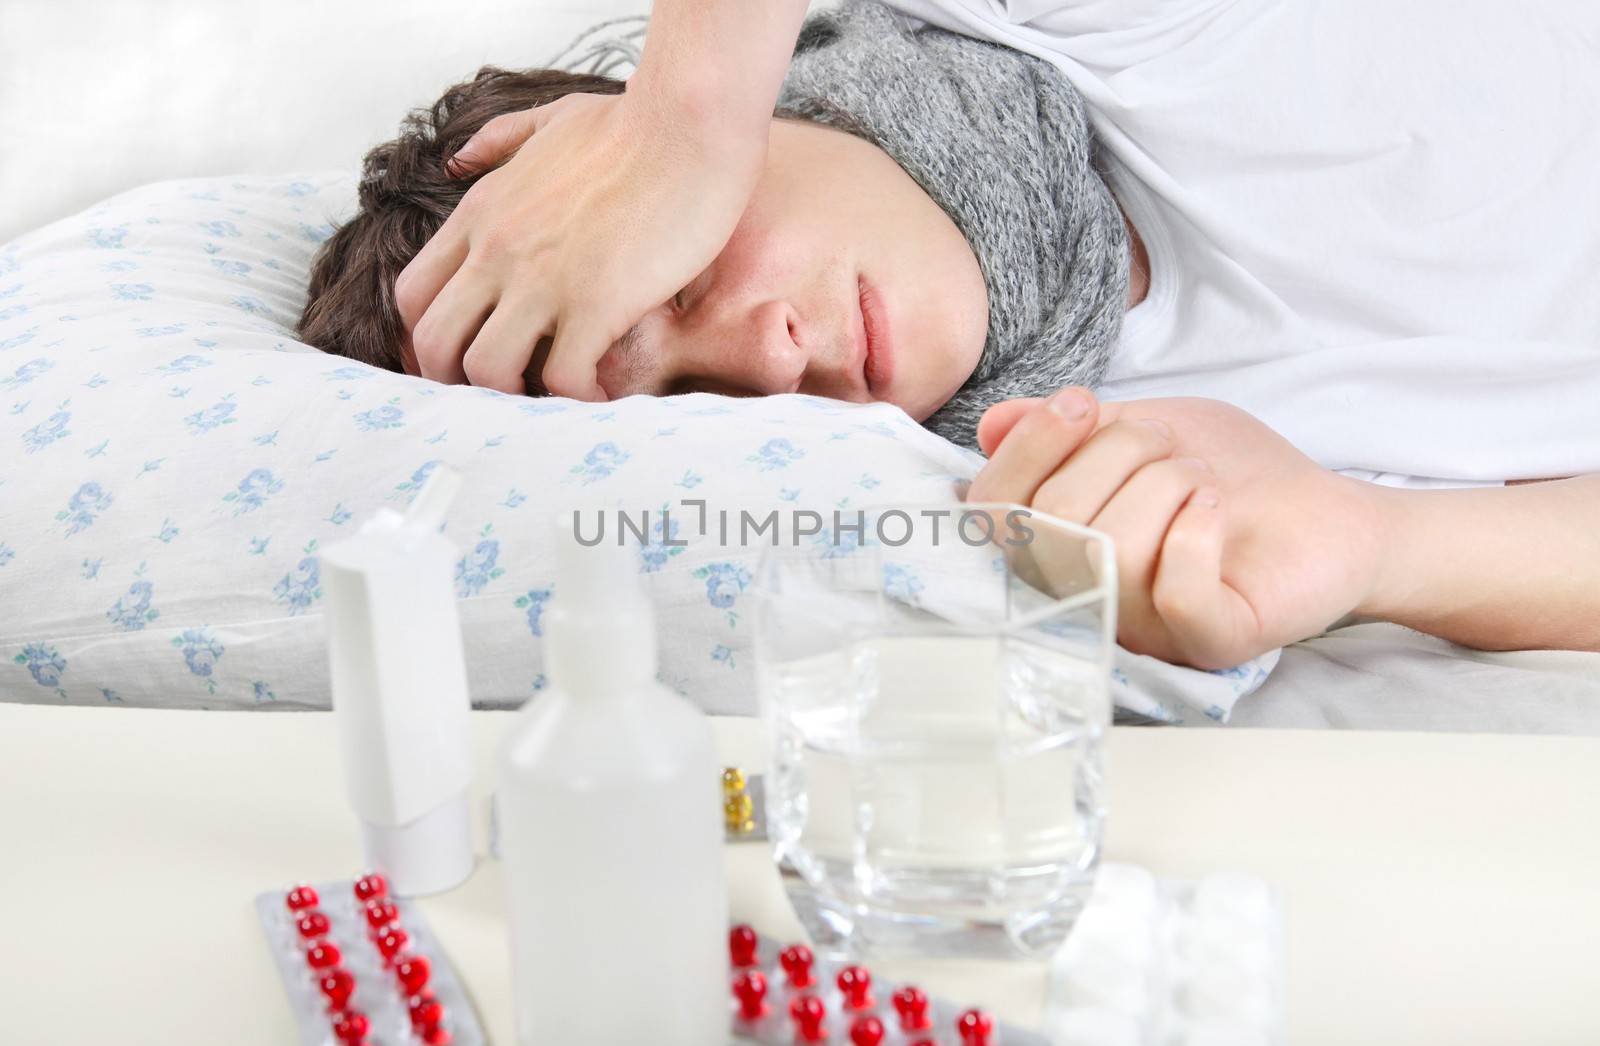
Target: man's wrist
(712, 70)
(697, 99)
(1497, 568)
(1395, 581)
(699, 114)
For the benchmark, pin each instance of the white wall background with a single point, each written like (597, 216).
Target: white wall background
(97, 96)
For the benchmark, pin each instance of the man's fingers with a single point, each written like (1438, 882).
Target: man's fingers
(1211, 624)
(1035, 445)
(1139, 515)
(442, 335)
(579, 343)
(1111, 457)
(1000, 419)
(493, 142)
(499, 355)
(420, 282)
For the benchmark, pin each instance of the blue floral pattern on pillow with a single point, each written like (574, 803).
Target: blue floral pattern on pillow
(132, 610)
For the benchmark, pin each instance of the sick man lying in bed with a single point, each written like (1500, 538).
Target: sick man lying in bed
(1310, 259)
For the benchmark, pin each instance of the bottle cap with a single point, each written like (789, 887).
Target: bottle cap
(600, 636)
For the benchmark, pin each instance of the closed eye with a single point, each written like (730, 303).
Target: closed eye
(686, 299)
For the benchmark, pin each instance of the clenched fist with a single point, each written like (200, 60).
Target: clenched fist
(1229, 541)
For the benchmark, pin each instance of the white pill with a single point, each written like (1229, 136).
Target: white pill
(1208, 942)
(1124, 886)
(1127, 941)
(1220, 1033)
(1106, 985)
(1095, 1028)
(1227, 993)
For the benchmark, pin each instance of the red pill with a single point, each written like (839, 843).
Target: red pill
(796, 961)
(425, 1009)
(750, 988)
(856, 985)
(370, 887)
(392, 942)
(437, 1035)
(413, 972)
(337, 985)
(742, 943)
(381, 913)
(351, 1026)
(974, 1027)
(866, 1031)
(301, 897)
(312, 924)
(322, 955)
(808, 1013)
(912, 1006)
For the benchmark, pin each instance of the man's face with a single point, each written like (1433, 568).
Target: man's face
(843, 279)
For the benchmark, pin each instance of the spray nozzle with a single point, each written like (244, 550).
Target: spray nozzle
(600, 628)
(428, 508)
(591, 572)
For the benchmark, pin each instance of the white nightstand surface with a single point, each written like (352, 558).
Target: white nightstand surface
(1437, 888)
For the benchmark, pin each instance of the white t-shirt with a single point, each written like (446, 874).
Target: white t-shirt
(1374, 225)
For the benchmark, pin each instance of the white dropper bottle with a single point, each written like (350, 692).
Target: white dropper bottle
(611, 833)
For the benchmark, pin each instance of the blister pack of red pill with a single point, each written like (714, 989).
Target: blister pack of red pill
(784, 994)
(361, 968)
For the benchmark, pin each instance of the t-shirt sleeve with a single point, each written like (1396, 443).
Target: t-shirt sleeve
(1060, 18)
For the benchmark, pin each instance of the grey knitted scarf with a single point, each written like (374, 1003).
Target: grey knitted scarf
(1001, 141)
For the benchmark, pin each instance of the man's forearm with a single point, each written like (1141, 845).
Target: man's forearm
(719, 64)
(1497, 568)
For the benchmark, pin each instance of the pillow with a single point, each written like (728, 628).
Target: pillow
(174, 460)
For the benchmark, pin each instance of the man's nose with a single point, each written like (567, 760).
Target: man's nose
(755, 348)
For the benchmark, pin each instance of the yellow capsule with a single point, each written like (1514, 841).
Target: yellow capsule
(732, 781)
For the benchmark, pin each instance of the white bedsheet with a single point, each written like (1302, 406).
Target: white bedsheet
(1381, 676)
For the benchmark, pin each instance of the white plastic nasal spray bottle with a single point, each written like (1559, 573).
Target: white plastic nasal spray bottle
(610, 828)
(400, 691)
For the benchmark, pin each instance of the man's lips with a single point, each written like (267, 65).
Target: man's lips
(879, 364)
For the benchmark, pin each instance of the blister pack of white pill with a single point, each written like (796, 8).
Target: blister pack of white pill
(1157, 962)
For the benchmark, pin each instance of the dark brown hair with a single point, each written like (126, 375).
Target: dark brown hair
(406, 194)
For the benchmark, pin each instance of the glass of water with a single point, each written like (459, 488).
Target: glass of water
(933, 680)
